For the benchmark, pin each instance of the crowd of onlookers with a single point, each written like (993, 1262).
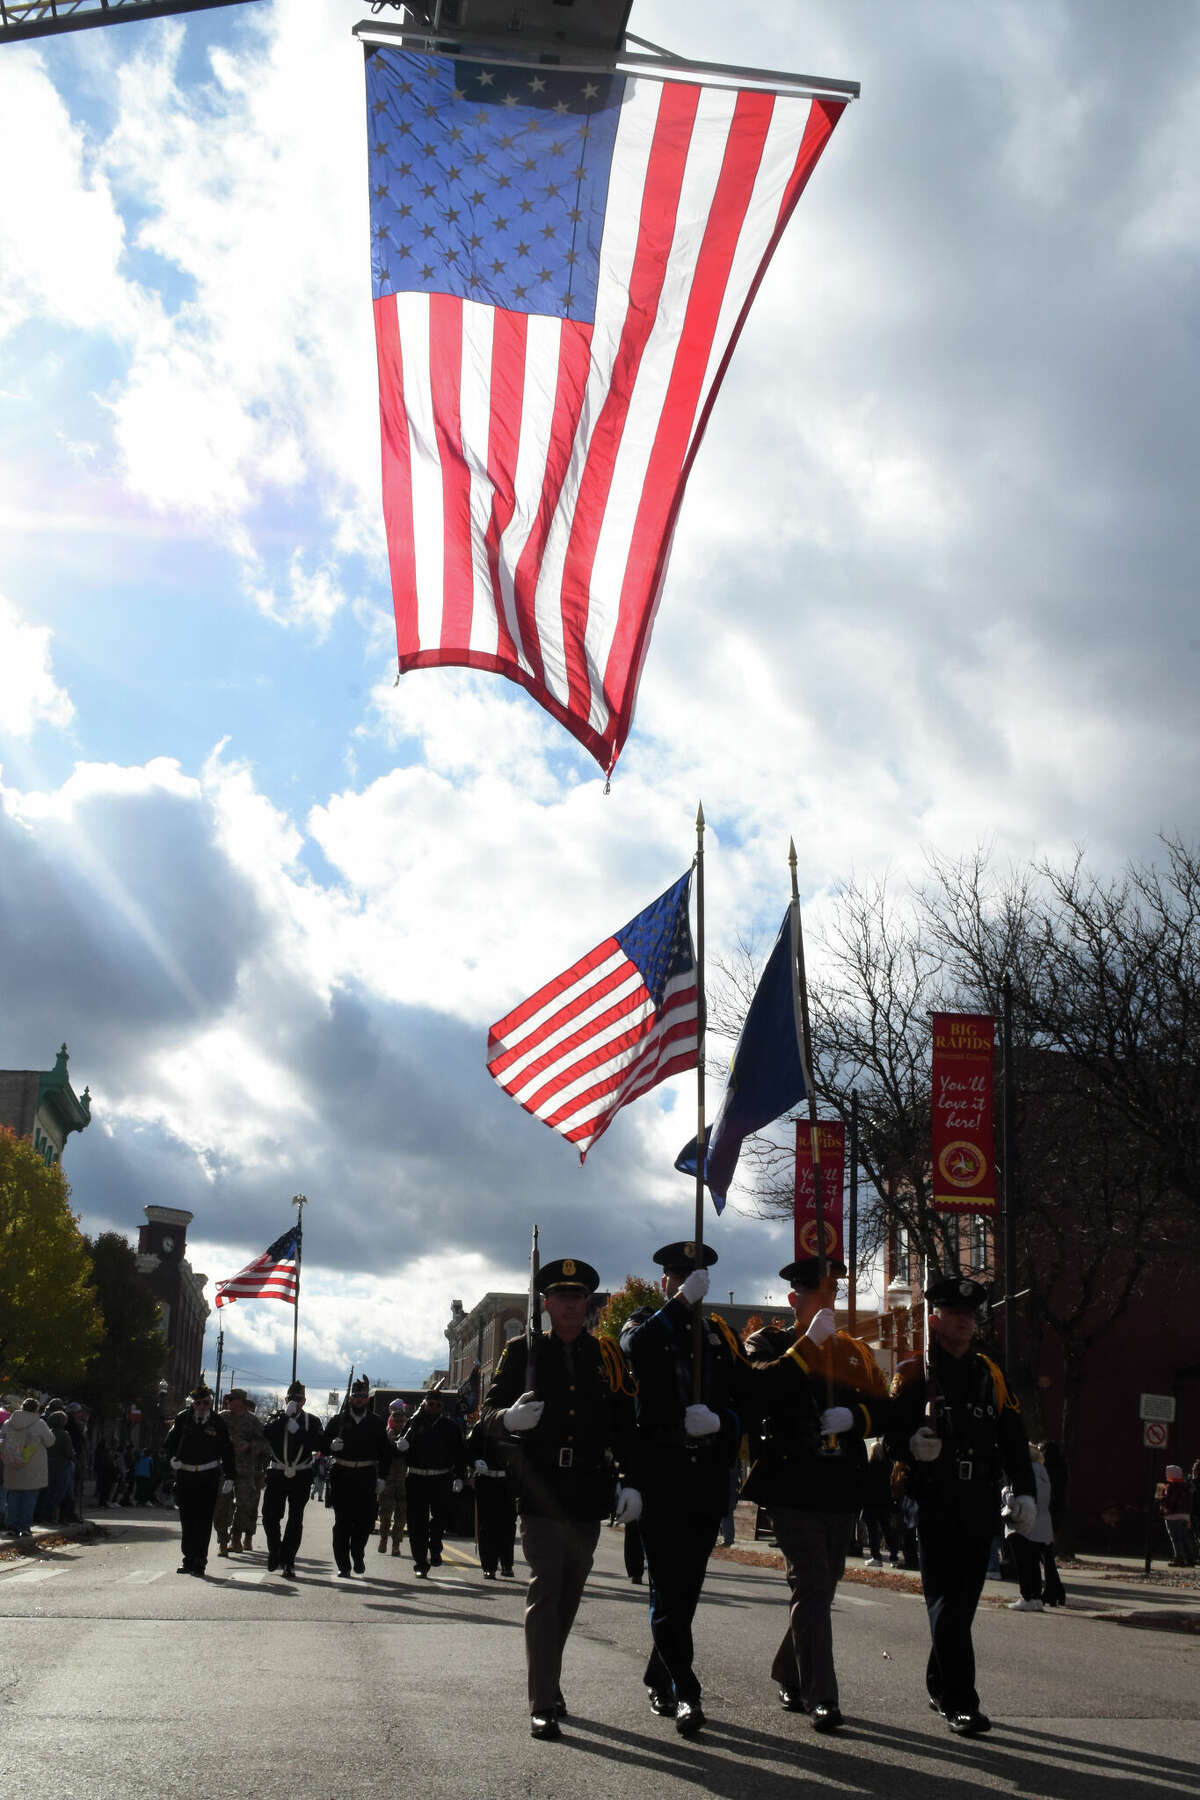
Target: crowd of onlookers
(48, 1454)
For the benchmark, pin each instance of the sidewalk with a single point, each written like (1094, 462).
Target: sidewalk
(1113, 1589)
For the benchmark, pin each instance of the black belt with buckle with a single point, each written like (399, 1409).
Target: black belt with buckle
(966, 1469)
(566, 1457)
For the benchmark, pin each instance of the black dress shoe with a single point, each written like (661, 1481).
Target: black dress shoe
(789, 1699)
(183, 1569)
(343, 1574)
(272, 1562)
(660, 1704)
(198, 1570)
(421, 1569)
(826, 1718)
(505, 1571)
(689, 1718)
(935, 1705)
(360, 1567)
(435, 1559)
(288, 1573)
(969, 1724)
(543, 1725)
(489, 1574)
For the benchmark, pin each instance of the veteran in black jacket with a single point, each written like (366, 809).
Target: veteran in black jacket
(201, 1456)
(295, 1439)
(957, 1430)
(436, 1467)
(686, 1452)
(360, 1454)
(563, 1410)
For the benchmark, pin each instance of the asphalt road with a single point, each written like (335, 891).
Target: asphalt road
(121, 1680)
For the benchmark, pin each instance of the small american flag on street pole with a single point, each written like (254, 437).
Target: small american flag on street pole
(613, 1026)
(275, 1275)
(563, 261)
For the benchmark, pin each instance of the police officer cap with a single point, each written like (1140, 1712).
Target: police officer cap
(237, 1394)
(201, 1391)
(361, 1386)
(954, 1293)
(806, 1273)
(681, 1259)
(296, 1391)
(567, 1276)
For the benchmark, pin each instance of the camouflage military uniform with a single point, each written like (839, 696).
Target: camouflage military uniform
(236, 1514)
(393, 1506)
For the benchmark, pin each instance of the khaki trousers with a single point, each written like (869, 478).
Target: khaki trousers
(814, 1545)
(559, 1553)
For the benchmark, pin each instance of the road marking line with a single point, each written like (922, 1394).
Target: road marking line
(141, 1577)
(38, 1574)
(853, 1600)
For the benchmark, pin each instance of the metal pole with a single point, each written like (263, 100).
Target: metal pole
(299, 1201)
(701, 1149)
(852, 1258)
(1009, 1188)
(1150, 1486)
(220, 1354)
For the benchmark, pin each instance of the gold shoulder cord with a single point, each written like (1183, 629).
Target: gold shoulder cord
(732, 1341)
(617, 1371)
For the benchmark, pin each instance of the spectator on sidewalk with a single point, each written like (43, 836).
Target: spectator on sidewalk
(60, 1469)
(1032, 1548)
(879, 1512)
(1175, 1506)
(24, 1440)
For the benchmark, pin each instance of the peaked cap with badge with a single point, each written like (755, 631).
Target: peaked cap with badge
(681, 1259)
(955, 1293)
(567, 1276)
(806, 1272)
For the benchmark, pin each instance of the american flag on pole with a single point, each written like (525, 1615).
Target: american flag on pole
(562, 265)
(275, 1275)
(613, 1026)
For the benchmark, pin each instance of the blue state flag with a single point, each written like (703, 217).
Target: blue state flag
(766, 1076)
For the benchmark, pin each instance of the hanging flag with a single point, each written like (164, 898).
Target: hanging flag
(964, 1167)
(275, 1275)
(766, 1076)
(831, 1142)
(562, 263)
(610, 1028)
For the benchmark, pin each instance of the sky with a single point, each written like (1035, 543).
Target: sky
(930, 589)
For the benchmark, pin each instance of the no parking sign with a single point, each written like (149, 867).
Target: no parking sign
(1154, 1435)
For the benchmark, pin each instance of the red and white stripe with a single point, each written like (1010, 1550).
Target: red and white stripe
(533, 468)
(261, 1280)
(589, 1042)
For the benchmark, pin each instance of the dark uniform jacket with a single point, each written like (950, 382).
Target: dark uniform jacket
(293, 1448)
(363, 1440)
(567, 1466)
(434, 1444)
(790, 1465)
(983, 1439)
(661, 1351)
(190, 1442)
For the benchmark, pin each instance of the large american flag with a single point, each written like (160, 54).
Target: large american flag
(613, 1026)
(275, 1275)
(562, 264)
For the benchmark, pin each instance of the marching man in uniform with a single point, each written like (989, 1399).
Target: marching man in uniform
(810, 1474)
(293, 1438)
(201, 1456)
(563, 1406)
(360, 1456)
(958, 1431)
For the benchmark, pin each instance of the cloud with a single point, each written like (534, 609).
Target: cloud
(29, 694)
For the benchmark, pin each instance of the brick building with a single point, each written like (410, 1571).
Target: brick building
(41, 1104)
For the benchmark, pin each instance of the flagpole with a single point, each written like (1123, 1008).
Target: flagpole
(701, 1149)
(299, 1201)
(806, 1058)
(220, 1355)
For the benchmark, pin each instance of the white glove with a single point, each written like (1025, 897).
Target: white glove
(227, 1486)
(524, 1413)
(175, 1463)
(628, 1509)
(835, 1419)
(456, 1486)
(822, 1327)
(337, 1444)
(401, 1443)
(481, 1467)
(1022, 1510)
(378, 1486)
(694, 1287)
(700, 1420)
(925, 1444)
(293, 1424)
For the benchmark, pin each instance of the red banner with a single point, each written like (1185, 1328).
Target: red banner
(831, 1143)
(964, 1173)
